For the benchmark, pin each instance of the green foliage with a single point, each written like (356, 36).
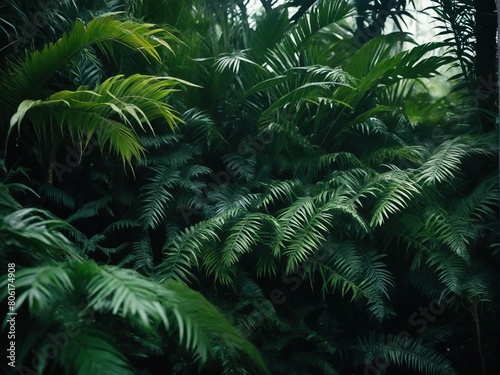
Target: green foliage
(315, 191)
(405, 352)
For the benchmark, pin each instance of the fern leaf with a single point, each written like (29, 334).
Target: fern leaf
(405, 352)
(155, 197)
(90, 352)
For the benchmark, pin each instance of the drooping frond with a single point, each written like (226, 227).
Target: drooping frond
(143, 255)
(242, 166)
(90, 209)
(40, 286)
(27, 80)
(140, 301)
(452, 230)
(451, 269)
(30, 229)
(201, 325)
(304, 227)
(183, 250)
(395, 191)
(481, 203)
(444, 163)
(110, 112)
(155, 196)
(125, 293)
(57, 196)
(353, 270)
(90, 352)
(406, 352)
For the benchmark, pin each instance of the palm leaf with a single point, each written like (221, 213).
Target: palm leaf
(40, 286)
(81, 114)
(29, 78)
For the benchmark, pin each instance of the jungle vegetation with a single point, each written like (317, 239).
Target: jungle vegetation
(187, 187)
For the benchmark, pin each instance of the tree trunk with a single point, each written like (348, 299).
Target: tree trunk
(475, 316)
(486, 61)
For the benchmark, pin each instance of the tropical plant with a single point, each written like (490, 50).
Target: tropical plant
(72, 299)
(315, 190)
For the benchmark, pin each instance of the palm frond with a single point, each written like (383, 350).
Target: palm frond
(232, 62)
(31, 229)
(82, 113)
(40, 286)
(322, 15)
(29, 78)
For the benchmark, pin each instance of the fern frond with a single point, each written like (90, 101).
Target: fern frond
(304, 228)
(481, 203)
(143, 255)
(451, 269)
(90, 352)
(200, 325)
(242, 166)
(184, 250)
(242, 236)
(351, 269)
(122, 224)
(232, 62)
(155, 196)
(396, 190)
(38, 231)
(90, 209)
(203, 128)
(405, 352)
(444, 163)
(280, 191)
(56, 195)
